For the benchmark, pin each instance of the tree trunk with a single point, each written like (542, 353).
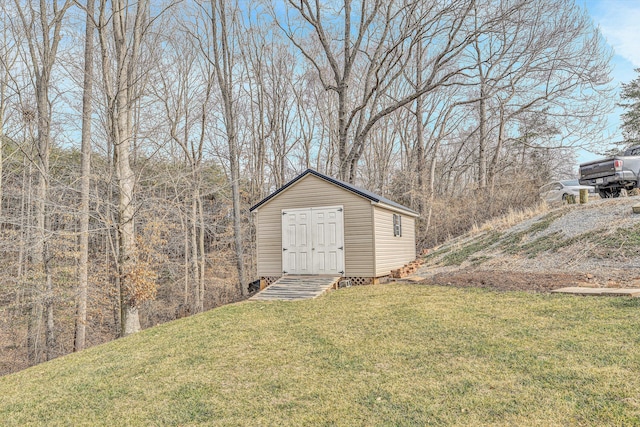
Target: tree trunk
(85, 182)
(3, 87)
(203, 258)
(223, 61)
(50, 336)
(345, 164)
(482, 139)
(41, 258)
(185, 230)
(33, 333)
(237, 222)
(126, 52)
(195, 258)
(418, 156)
(42, 31)
(493, 166)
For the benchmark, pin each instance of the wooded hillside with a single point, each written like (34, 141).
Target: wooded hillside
(134, 136)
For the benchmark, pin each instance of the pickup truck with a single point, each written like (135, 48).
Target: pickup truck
(613, 174)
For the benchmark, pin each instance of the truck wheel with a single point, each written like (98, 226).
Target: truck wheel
(609, 193)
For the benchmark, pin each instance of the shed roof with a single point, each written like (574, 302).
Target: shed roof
(349, 187)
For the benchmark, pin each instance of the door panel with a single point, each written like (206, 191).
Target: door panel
(313, 241)
(296, 248)
(328, 247)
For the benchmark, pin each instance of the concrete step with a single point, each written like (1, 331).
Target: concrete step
(577, 290)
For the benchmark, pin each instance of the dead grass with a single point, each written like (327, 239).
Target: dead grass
(456, 214)
(376, 355)
(491, 233)
(513, 217)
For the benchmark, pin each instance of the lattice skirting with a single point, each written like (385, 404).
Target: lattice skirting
(357, 281)
(268, 280)
(345, 281)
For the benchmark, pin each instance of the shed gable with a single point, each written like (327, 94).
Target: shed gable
(311, 191)
(383, 201)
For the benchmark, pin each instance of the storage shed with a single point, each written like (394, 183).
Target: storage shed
(318, 225)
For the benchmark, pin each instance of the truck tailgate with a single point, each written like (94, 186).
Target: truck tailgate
(597, 169)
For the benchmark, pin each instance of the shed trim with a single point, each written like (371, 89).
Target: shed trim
(379, 200)
(405, 211)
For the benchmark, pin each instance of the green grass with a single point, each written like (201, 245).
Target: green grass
(619, 243)
(544, 222)
(512, 243)
(394, 355)
(547, 243)
(458, 255)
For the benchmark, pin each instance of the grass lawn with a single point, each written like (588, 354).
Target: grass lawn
(374, 355)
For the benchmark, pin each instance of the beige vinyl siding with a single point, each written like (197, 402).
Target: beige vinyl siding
(310, 192)
(391, 251)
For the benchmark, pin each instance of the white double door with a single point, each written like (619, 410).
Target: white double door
(313, 241)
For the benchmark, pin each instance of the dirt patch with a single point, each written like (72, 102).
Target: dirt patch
(515, 281)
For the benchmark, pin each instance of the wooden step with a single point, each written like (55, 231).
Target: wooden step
(291, 288)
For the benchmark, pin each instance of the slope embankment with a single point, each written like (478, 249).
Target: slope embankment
(596, 244)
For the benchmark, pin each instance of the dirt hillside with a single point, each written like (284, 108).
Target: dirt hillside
(596, 245)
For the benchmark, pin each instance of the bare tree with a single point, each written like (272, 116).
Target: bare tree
(8, 59)
(128, 25)
(85, 179)
(270, 70)
(43, 25)
(254, 51)
(221, 50)
(544, 58)
(363, 61)
(185, 90)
